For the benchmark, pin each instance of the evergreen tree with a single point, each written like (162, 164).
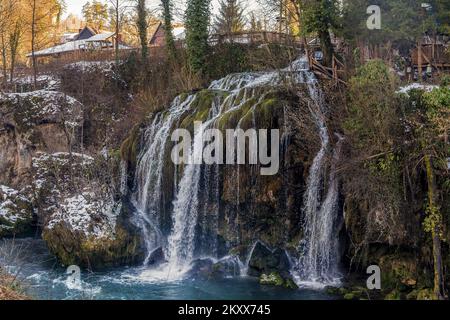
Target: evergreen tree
(170, 42)
(321, 16)
(230, 18)
(142, 25)
(197, 24)
(255, 24)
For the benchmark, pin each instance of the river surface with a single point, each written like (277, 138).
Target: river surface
(44, 278)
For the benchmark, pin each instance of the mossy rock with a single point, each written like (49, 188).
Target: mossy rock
(426, 294)
(201, 107)
(412, 295)
(130, 147)
(275, 279)
(16, 213)
(393, 295)
(349, 296)
(90, 232)
(73, 248)
(290, 284)
(399, 271)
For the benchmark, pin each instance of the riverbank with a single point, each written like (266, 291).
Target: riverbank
(10, 288)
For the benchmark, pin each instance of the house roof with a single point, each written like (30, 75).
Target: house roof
(66, 47)
(154, 30)
(101, 37)
(179, 33)
(86, 33)
(76, 45)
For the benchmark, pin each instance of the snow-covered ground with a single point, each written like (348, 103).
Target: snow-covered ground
(82, 210)
(412, 86)
(45, 104)
(47, 82)
(86, 214)
(12, 209)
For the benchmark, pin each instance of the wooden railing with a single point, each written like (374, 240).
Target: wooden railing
(335, 72)
(256, 37)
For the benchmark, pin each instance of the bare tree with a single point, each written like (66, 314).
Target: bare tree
(42, 12)
(14, 42)
(119, 8)
(7, 10)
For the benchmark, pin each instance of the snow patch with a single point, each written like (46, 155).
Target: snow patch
(412, 86)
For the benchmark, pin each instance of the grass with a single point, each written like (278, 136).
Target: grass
(10, 288)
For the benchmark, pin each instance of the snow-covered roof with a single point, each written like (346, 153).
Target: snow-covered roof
(65, 47)
(101, 37)
(74, 45)
(179, 33)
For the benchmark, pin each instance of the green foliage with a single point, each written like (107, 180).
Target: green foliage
(230, 18)
(374, 132)
(372, 113)
(228, 58)
(432, 220)
(167, 14)
(445, 80)
(197, 23)
(142, 25)
(428, 115)
(321, 16)
(401, 20)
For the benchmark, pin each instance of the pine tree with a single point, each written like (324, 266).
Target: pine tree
(197, 24)
(230, 18)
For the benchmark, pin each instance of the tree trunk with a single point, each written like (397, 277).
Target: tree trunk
(117, 32)
(33, 43)
(142, 26)
(435, 234)
(4, 62)
(419, 61)
(14, 44)
(327, 47)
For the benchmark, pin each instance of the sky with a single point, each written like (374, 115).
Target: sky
(75, 6)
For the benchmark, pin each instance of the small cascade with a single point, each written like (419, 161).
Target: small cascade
(123, 188)
(186, 205)
(319, 252)
(149, 174)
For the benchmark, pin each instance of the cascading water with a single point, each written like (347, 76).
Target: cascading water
(196, 183)
(319, 251)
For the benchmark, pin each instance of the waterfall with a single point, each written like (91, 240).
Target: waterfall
(196, 191)
(149, 174)
(319, 251)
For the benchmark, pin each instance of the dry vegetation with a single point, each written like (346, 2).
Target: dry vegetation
(10, 288)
